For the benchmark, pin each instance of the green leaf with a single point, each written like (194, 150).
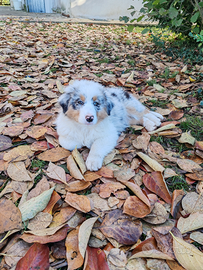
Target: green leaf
(177, 22)
(173, 12)
(124, 18)
(140, 18)
(162, 11)
(146, 30)
(200, 4)
(131, 7)
(132, 13)
(130, 27)
(194, 18)
(30, 208)
(156, 2)
(196, 30)
(201, 33)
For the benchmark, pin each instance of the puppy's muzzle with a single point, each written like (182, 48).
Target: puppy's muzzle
(89, 118)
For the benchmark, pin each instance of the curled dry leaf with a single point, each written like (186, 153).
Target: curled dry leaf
(19, 153)
(156, 183)
(77, 185)
(152, 253)
(63, 216)
(176, 199)
(192, 202)
(151, 162)
(186, 254)
(117, 258)
(163, 128)
(74, 258)
(10, 216)
(135, 207)
(79, 160)
(169, 173)
(142, 141)
(176, 115)
(84, 234)
(191, 223)
(198, 175)
(186, 137)
(72, 167)
(56, 235)
(199, 145)
(197, 237)
(80, 202)
(156, 148)
(54, 154)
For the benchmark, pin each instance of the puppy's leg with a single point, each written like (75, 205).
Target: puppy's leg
(68, 143)
(99, 149)
(139, 114)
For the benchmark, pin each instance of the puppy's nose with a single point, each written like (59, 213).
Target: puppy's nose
(89, 118)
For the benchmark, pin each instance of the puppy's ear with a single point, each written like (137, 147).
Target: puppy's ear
(64, 101)
(109, 106)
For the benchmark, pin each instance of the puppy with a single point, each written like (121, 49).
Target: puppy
(94, 116)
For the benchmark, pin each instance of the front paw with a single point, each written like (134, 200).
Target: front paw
(152, 120)
(94, 162)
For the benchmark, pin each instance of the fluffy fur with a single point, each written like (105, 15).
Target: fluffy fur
(94, 116)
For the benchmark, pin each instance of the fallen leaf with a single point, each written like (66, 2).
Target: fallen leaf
(77, 185)
(176, 115)
(192, 202)
(152, 253)
(142, 141)
(37, 257)
(54, 154)
(163, 128)
(117, 259)
(158, 214)
(79, 160)
(135, 207)
(96, 259)
(124, 174)
(54, 235)
(10, 216)
(84, 234)
(108, 188)
(176, 200)
(197, 237)
(188, 165)
(13, 131)
(17, 171)
(72, 167)
(5, 143)
(19, 153)
(186, 137)
(199, 145)
(186, 254)
(36, 131)
(62, 216)
(80, 202)
(56, 172)
(121, 227)
(151, 162)
(74, 258)
(35, 205)
(156, 183)
(191, 223)
(40, 221)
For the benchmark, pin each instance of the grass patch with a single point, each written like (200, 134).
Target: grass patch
(157, 103)
(177, 182)
(193, 124)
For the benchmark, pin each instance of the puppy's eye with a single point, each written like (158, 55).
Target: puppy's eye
(80, 102)
(96, 104)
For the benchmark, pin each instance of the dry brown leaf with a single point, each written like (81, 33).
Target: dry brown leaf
(192, 202)
(186, 137)
(124, 174)
(151, 162)
(158, 215)
(135, 207)
(79, 160)
(40, 221)
(74, 258)
(80, 202)
(188, 165)
(74, 170)
(56, 172)
(17, 171)
(19, 153)
(187, 255)
(176, 198)
(77, 185)
(108, 188)
(191, 223)
(54, 154)
(63, 216)
(142, 141)
(36, 131)
(13, 131)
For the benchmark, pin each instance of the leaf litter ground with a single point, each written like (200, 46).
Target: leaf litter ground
(145, 204)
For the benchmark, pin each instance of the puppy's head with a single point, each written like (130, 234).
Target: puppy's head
(85, 102)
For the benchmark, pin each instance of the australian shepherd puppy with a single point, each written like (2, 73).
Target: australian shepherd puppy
(93, 116)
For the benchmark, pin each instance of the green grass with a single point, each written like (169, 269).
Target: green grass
(195, 125)
(157, 103)
(177, 182)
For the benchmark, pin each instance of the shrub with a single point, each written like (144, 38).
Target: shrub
(182, 16)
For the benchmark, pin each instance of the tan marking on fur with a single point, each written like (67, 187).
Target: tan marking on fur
(94, 98)
(82, 98)
(132, 111)
(101, 115)
(73, 114)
